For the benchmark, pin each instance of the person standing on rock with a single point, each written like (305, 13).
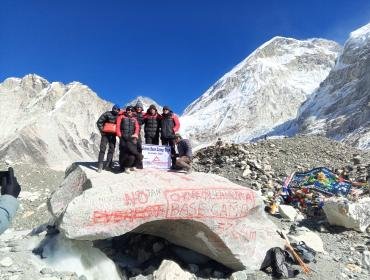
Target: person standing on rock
(139, 114)
(151, 125)
(131, 157)
(185, 156)
(170, 124)
(10, 190)
(107, 127)
(127, 127)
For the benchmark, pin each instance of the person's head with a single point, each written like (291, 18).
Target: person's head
(166, 109)
(130, 110)
(115, 109)
(152, 109)
(139, 107)
(177, 138)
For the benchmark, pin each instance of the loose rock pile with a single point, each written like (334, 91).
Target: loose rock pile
(264, 165)
(141, 254)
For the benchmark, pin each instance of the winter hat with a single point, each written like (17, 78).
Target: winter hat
(115, 107)
(166, 108)
(152, 106)
(130, 108)
(139, 104)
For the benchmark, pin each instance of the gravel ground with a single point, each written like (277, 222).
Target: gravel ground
(37, 184)
(276, 158)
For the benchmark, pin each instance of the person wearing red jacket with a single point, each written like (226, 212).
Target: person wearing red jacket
(127, 126)
(170, 124)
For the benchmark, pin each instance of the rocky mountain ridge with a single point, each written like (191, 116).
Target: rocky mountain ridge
(48, 123)
(263, 91)
(340, 108)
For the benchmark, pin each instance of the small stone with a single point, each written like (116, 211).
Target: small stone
(353, 268)
(6, 262)
(157, 247)
(241, 275)
(288, 212)
(193, 268)
(46, 270)
(170, 270)
(218, 274)
(356, 159)
(247, 172)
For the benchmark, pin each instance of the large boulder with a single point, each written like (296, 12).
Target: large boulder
(353, 215)
(203, 212)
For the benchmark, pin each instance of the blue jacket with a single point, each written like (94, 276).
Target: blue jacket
(8, 208)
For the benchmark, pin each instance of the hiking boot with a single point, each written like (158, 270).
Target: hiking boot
(100, 167)
(189, 170)
(132, 168)
(109, 166)
(127, 171)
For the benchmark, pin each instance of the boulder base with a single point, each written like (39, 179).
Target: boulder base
(170, 270)
(203, 212)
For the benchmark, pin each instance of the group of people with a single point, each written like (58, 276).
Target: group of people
(127, 125)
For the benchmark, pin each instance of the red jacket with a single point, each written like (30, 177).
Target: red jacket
(127, 126)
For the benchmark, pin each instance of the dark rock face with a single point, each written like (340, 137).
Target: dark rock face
(340, 108)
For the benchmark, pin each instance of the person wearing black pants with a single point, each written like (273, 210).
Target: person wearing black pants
(169, 126)
(131, 158)
(139, 114)
(107, 127)
(127, 127)
(151, 126)
(110, 140)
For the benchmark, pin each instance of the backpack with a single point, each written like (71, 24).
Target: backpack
(109, 128)
(306, 253)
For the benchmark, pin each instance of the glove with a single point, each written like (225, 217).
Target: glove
(9, 185)
(140, 156)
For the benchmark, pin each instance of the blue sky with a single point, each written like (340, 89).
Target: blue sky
(171, 51)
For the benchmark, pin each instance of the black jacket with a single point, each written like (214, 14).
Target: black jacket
(127, 126)
(152, 123)
(140, 118)
(169, 125)
(109, 116)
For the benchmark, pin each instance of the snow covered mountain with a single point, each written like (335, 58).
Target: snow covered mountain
(263, 91)
(146, 102)
(48, 123)
(340, 108)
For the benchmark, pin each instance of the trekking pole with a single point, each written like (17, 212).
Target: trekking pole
(304, 266)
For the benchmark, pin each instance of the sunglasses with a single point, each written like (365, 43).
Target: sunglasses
(129, 110)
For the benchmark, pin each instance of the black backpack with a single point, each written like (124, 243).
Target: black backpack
(306, 253)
